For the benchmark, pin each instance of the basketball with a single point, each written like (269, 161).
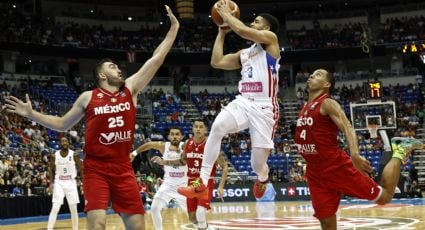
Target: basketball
(217, 18)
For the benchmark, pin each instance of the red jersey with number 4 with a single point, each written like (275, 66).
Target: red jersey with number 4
(316, 136)
(110, 121)
(195, 153)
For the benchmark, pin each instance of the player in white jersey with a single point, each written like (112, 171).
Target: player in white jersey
(256, 107)
(174, 173)
(63, 172)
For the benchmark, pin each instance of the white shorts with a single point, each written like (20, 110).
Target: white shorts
(67, 188)
(168, 192)
(260, 115)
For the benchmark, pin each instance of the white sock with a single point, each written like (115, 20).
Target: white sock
(157, 205)
(53, 215)
(201, 217)
(74, 216)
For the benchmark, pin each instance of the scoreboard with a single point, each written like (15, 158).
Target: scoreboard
(373, 90)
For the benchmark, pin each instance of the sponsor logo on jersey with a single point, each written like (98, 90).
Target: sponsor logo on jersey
(252, 87)
(100, 95)
(113, 99)
(113, 137)
(307, 148)
(122, 94)
(176, 174)
(65, 177)
(106, 109)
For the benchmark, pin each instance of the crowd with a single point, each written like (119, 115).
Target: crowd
(194, 37)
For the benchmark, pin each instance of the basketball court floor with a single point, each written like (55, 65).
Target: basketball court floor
(353, 214)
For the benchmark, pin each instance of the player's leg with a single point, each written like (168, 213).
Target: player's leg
(71, 193)
(224, 123)
(96, 219)
(201, 217)
(96, 195)
(133, 221)
(160, 201)
(57, 200)
(401, 148)
(328, 223)
(259, 165)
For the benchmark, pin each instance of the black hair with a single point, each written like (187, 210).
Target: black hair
(98, 67)
(271, 21)
(331, 80)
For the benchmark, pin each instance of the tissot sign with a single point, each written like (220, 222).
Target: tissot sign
(283, 191)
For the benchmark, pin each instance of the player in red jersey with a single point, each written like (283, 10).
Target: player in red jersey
(193, 155)
(330, 171)
(110, 112)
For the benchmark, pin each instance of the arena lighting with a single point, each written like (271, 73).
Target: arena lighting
(185, 9)
(413, 48)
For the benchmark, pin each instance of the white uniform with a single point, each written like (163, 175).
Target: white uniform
(174, 177)
(65, 183)
(256, 107)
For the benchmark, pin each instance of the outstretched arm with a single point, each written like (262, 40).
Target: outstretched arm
(331, 108)
(145, 74)
(15, 105)
(158, 145)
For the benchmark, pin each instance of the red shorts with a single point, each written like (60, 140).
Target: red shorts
(110, 181)
(327, 186)
(193, 203)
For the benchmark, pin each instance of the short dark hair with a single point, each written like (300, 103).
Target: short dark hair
(200, 119)
(174, 127)
(272, 21)
(98, 67)
(331, 80)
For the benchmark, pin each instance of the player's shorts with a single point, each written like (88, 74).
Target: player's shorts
(193, 203)
(68, 188)
(111, 181)
(260, 115)
(168, 192)
(326, 188)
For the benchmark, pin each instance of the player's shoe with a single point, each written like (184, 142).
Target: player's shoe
(403, 146)
(260, 188)
(196, 189)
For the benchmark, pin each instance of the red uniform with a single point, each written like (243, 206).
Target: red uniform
(108, 174)
(330, 171)
(195, 153)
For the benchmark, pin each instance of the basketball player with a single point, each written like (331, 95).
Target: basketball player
(62, 172)
(174, 173)
(256, 107)
(330, 171)
(193, 155)
(110, 112)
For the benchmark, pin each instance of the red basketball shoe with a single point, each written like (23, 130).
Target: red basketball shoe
(196, 189)
(260, 188)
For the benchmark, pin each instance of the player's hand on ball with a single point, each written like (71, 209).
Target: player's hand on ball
(361, 164)
(157, 160)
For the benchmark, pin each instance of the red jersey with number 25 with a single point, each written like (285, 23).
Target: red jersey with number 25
(194, 154)
(316, 136)
(110, 123)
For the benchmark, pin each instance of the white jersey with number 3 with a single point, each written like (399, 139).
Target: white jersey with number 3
(260, 73)
(174, 175)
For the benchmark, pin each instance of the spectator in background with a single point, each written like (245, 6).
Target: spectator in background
(415, 190)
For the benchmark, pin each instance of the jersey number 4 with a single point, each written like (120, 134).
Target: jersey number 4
(303, 134)
(115, 122)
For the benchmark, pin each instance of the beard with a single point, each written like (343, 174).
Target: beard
(113, 81)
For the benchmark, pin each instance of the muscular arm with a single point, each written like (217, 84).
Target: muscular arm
(331, 108)
(158, 145)
(220, 61)
(63, 123)
(145, 74)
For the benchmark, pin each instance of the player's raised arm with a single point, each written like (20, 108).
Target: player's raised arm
(158, 145)
(75, 114)
(145, 74)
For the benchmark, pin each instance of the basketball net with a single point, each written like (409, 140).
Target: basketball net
(373, 130)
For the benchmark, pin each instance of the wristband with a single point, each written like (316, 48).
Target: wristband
(134, 153)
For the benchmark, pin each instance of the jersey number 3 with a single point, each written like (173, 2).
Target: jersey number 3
(115, 122)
